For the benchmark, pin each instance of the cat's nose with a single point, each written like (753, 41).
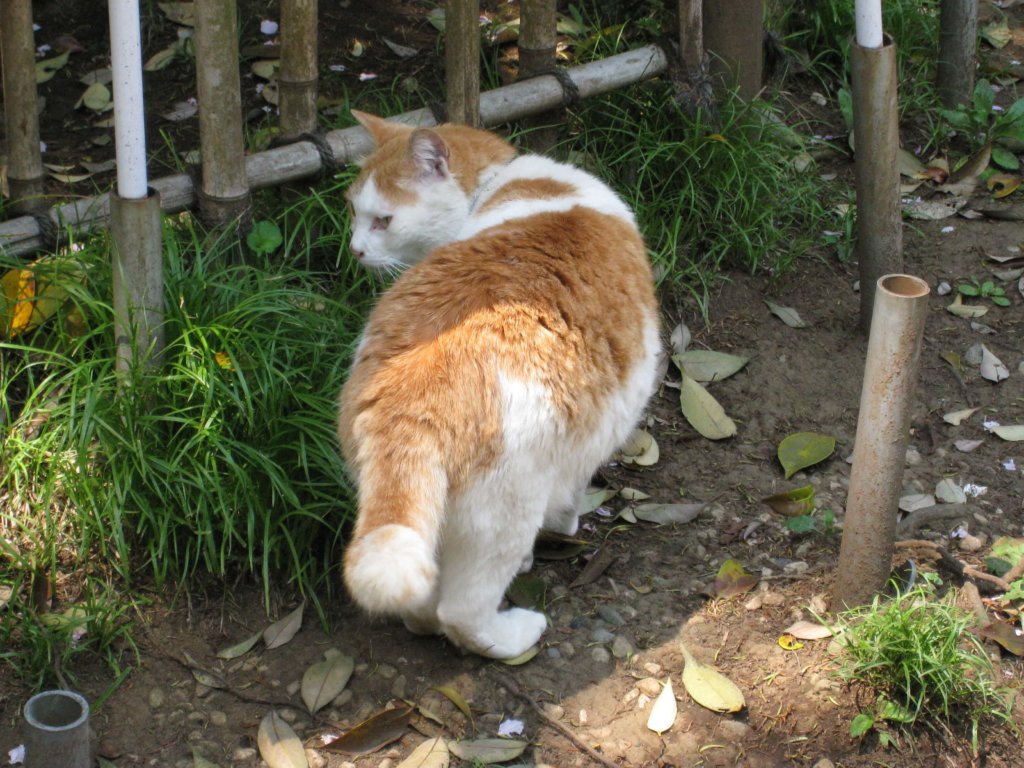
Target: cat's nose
(358, 254)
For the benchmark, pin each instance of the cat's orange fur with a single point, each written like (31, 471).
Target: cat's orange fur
(492, 379)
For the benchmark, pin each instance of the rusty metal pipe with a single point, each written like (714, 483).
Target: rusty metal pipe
(879, 452)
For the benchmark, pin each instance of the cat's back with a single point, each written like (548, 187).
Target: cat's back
(549, 283)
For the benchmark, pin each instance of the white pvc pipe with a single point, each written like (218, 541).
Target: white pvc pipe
(868, 17)
(129, 115)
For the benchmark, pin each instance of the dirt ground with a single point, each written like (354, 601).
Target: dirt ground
(613, 639)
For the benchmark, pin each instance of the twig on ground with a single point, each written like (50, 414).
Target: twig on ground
(593, 754)
(1015, 572)
(910, 524)
(989, 583)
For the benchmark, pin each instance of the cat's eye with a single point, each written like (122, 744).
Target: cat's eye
(380, 222)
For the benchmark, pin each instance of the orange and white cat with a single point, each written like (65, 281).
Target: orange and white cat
(510, 359)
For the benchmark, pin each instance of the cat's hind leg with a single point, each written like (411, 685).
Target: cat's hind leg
(477, 566)
(423, 620)
(562, 515)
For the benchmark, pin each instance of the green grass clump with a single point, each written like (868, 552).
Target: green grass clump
(221, 458)
(710, 191)
(821, 31)
(918, 653)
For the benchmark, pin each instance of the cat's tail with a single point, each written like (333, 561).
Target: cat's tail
(391, 562)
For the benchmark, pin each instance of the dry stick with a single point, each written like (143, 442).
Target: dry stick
(1014, 573)
(973, 599)
(959, 569)
(593, 754)
(920, 517)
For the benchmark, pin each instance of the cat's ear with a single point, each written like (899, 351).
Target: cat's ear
(429, 154)
(380, 129)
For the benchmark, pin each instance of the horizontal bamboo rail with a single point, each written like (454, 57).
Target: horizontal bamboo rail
(293, 162)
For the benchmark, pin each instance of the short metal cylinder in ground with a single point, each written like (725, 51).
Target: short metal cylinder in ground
(57, 730)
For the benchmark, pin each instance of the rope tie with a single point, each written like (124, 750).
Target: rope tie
(570, 91)
(50, 235)
(329, 164)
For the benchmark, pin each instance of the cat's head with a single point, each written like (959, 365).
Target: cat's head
(405, 201)
(413, 193)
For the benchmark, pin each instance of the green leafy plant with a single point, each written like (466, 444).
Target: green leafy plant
(46, 647)
(986, 290)
(264, 238)
(805, 524)
(981, 123)
(917, 653)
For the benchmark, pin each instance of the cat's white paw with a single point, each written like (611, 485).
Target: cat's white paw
(518, 629)
(507, 635)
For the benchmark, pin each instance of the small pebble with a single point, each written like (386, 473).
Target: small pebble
(652, 668)
(293, 687)
(342, 698)
(243, 754)
(622, 648)
(796, 568)
(315, 760)
(649, 686)
(611, 615)
(156, 698)
(824, 763)
(554, 653)
(600, 654)
(602, 635)
(218, 718)
(971, 543)
(554, 711)
(568, 650)
(288, 715)
(386, 671)
(398, 687)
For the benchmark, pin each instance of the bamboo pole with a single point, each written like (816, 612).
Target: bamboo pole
(462, 61)
(292, 162)
(537, 51)
(958, 40)
(883, 428)
(297, 79)
(21, 103)
(876, 134)
(224, 196)
(135, 222)
(138, 280)
(691, 36)
(734, 40)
